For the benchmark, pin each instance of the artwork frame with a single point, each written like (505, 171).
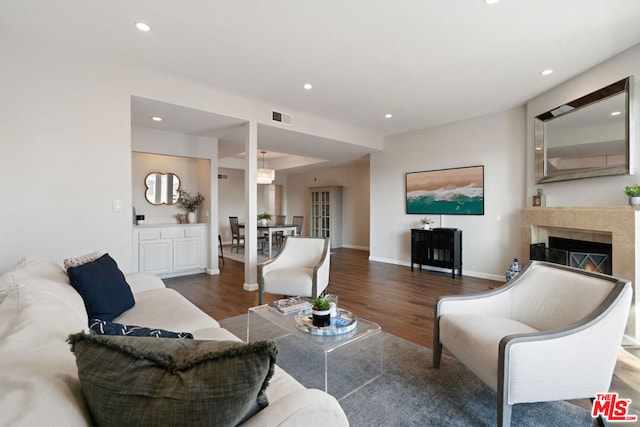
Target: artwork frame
(451, 191)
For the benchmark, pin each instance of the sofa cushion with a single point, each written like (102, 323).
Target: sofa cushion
(38, 375)
(165, 308)
(103, 288)
(105, 327)
(289, 281)
(33, 267)
(131, 381)
(475, 338)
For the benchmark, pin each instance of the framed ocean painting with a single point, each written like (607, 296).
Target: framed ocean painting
(458, 191)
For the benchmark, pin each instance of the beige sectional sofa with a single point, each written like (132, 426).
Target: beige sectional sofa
(39, 382)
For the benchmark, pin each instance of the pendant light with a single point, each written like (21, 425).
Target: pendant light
(265, 176)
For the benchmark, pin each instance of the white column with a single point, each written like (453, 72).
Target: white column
(208, 149)
(250, 206)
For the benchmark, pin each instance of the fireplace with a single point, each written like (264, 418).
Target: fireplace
(618, 226)
(592, 256)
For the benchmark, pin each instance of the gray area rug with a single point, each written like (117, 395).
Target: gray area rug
(239, 255)
(410, 392)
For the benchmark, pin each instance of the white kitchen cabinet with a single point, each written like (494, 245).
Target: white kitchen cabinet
(170, 250)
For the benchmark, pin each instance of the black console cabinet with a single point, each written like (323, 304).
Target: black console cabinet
(439, 247)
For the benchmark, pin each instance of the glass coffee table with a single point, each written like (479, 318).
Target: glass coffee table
(338, 364)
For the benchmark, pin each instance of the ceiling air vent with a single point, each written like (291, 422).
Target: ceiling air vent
(223, 176)
(279, 117)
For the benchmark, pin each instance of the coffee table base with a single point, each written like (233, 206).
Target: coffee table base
(339, 365)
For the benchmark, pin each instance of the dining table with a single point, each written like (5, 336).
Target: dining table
(269, 229)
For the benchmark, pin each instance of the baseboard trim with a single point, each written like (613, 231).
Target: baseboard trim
(250, 286)
(469, 273)
(360, 248)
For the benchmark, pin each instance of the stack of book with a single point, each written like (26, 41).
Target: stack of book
(290, 305)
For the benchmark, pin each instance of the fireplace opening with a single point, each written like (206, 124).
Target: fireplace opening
(592, 256)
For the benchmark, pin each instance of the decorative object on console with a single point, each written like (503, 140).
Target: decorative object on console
(458, 191)
(539, 199)
(633, 191)
(139, 219)
(190, 204)
(172, 381)
(321, 312)
(426, 223)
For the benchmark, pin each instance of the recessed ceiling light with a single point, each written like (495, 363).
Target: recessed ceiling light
(308, 86)
(156, 118)
(616, 113)
(546, 72)
(491, 1)
(388, 115)
(142, 26)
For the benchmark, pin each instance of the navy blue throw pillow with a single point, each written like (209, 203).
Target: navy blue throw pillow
(105, 327)
(103, 288)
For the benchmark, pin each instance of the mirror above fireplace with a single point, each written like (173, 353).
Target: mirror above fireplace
(586, 137)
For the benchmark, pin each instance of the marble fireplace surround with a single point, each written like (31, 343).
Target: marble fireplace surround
(618, 226)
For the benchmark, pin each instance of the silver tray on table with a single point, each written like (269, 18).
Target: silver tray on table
(344, 322)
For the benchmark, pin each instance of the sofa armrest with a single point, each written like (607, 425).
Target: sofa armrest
(142, 281)
(309, 408)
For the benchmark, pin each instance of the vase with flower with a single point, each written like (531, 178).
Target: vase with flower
(190, 203)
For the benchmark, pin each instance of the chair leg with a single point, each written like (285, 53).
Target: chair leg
(220, 244)
(437, 345)
(600, 421)
(437, 354)
(504, 414)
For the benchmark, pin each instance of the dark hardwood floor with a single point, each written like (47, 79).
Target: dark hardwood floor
(401, 301)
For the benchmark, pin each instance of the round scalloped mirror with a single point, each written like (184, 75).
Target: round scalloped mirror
(162, 188)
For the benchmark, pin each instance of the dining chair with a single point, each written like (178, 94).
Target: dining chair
(298, 221)
(235, 234)
(278, 236)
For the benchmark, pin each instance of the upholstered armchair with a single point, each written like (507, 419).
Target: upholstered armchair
(551, 333)
(301, 268)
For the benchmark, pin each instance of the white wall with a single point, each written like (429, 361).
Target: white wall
(490, 241)
(231, 197)
(65, 151)
(601, 191)
(355, 200)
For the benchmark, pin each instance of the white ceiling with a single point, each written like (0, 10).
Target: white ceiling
(427, 62)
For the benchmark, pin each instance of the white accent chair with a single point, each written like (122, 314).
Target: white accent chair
(552, 333)
(301, 268)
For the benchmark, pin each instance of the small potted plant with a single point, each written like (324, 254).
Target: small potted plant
(426, 223)
(321, 312)
(264, 217)
(633, 191)
(190, 203)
